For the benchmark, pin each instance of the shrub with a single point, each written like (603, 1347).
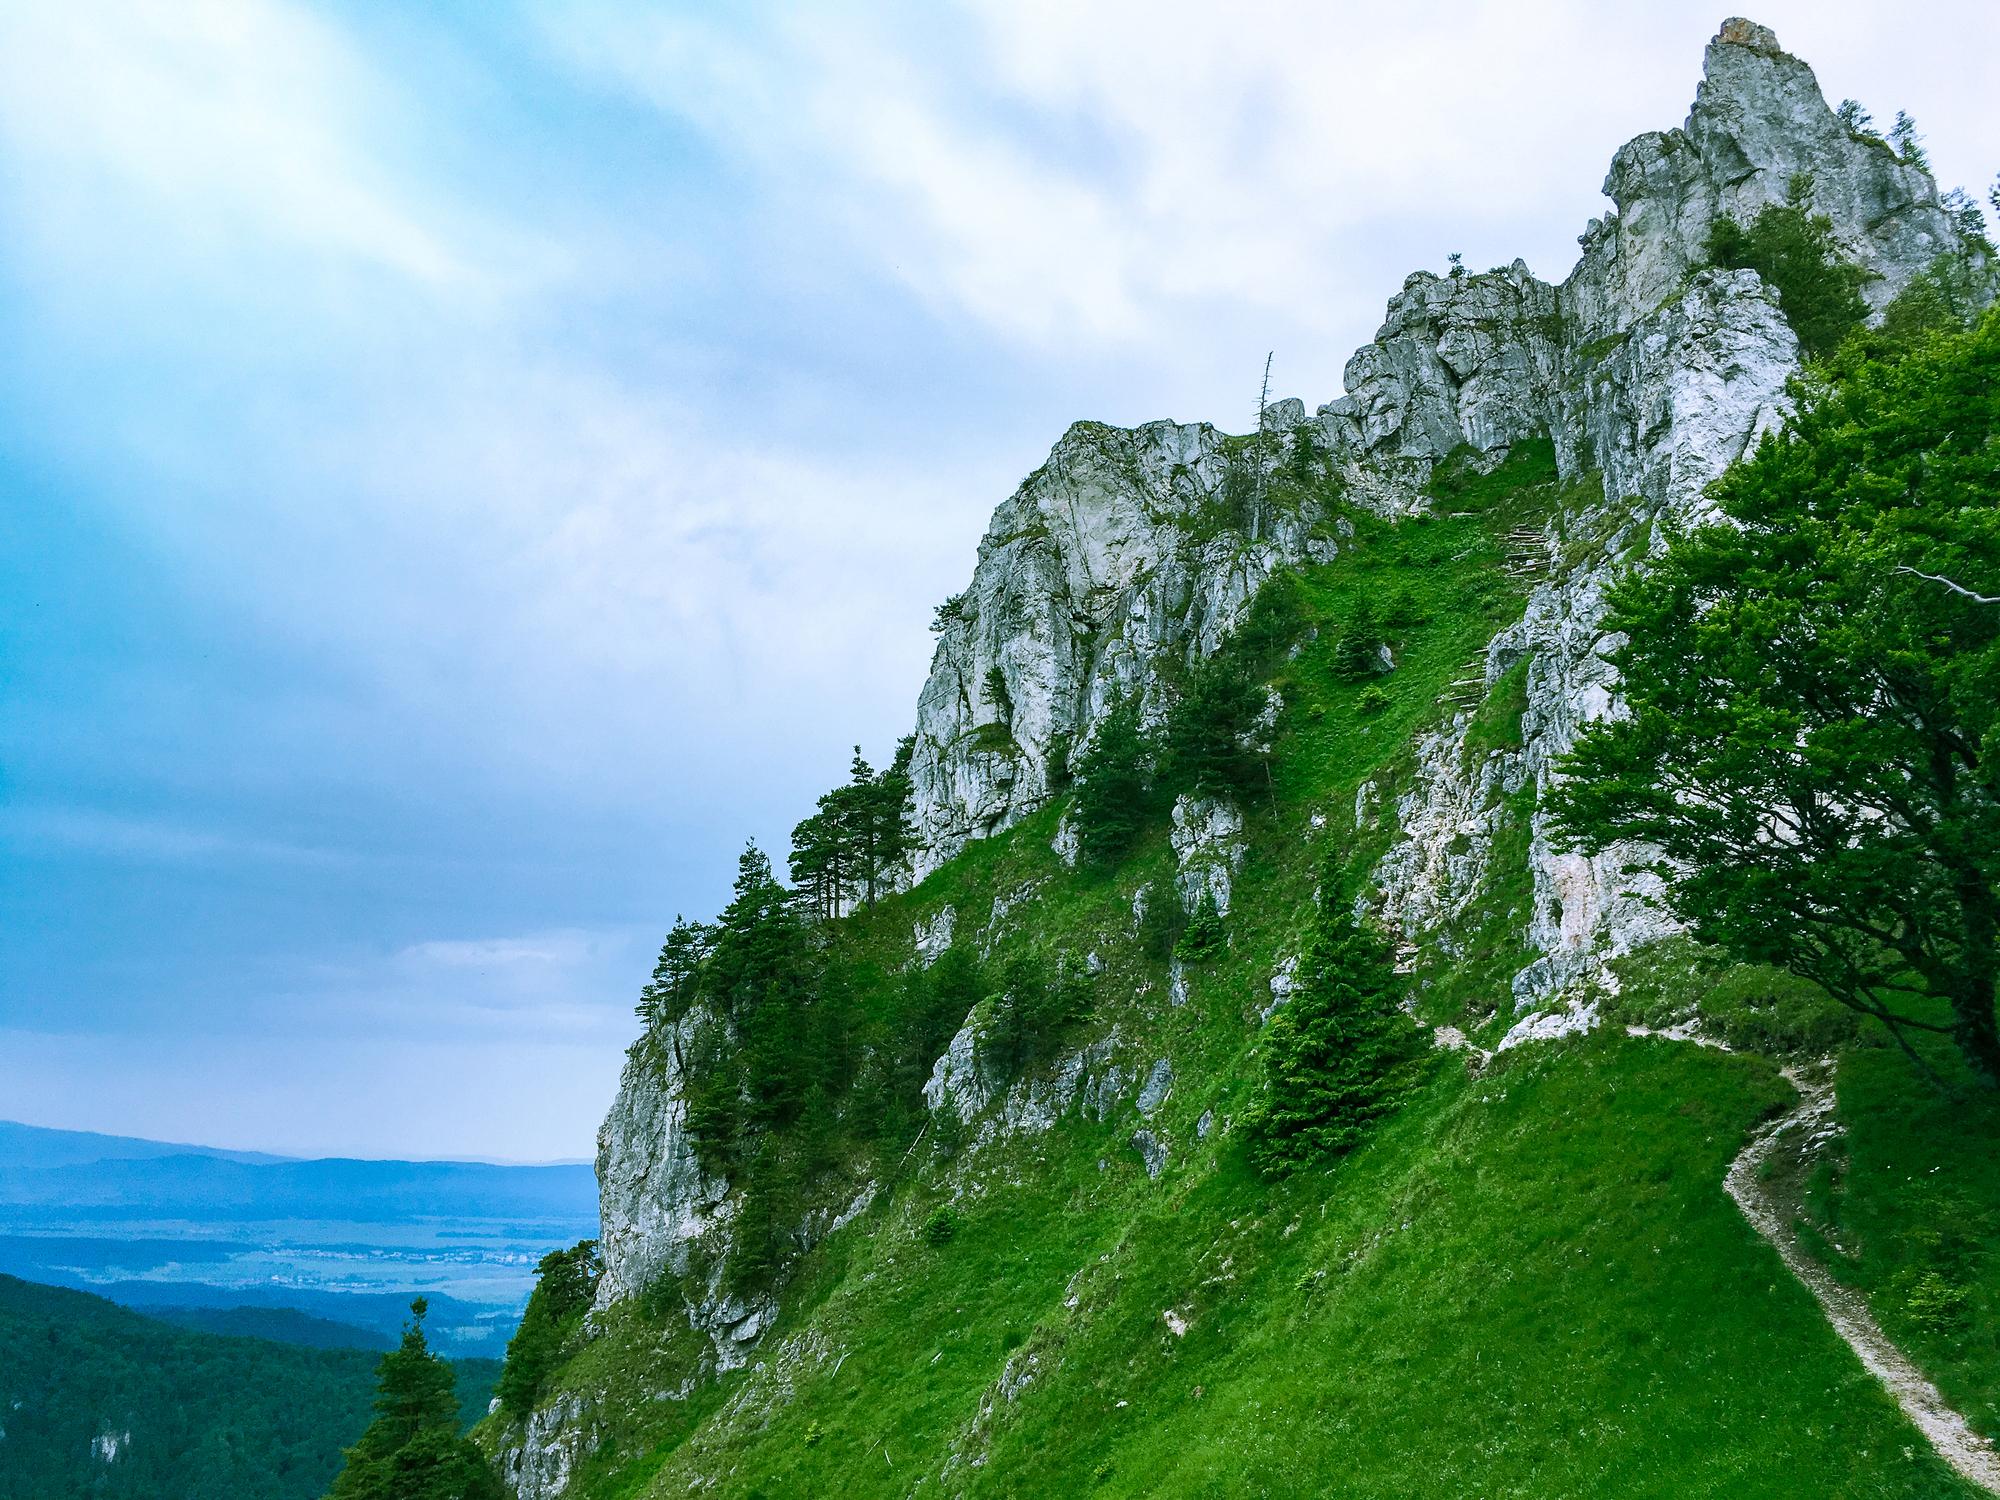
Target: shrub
(1371, 700)
(940, 1226)
(1933, 1303)
(1205, 936)
(1794, 250)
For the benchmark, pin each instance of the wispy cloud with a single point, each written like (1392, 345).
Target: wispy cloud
(216, 125)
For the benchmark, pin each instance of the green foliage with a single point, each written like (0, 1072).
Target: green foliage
(1206, 935)
(1787, 671)
(566, 1281)
(1857, 119)
(1945, 297)
(1907, 143)
(1339, 1054)
(940, 1226)
(1115, 790)
(1370, 700)
(413, 1449)
(998, 698)
(206, 1415)
(844, 854)
(1933, 1304)
(666, 998)
(1794, 251)
(1357, 655)
(1211, 742)
(1035, 1009)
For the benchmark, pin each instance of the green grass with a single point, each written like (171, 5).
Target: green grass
(1921, 1196)
(1530, 1285)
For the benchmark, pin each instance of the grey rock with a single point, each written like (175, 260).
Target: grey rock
(1159, 1082)
(1152, 1151)
(933, 937)
(1207, 839)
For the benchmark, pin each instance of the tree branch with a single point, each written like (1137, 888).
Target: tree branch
(1956, 588)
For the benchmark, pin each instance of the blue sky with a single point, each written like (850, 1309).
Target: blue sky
(465, 467)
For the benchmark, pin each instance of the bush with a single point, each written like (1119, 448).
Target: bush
(1933, 1303)
(1205, 936)
(1371, 700)
(1794, 250)
(940, 1226)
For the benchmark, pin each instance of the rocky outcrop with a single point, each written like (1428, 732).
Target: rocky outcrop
(537, 1465)
(656, 1203)
(1207, 839)
(1758, 122)
(1669, 371)
(1113, 559)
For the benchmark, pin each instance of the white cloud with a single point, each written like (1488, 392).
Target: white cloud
(243, 143)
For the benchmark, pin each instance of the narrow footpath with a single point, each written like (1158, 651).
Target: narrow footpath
(1767, 1180)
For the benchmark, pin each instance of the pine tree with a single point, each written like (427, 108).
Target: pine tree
(1339, 1053)
(1208, 737)
(1358, 653)
(1114, 785)
(762, 974)
(667, 997)
(413, 1449)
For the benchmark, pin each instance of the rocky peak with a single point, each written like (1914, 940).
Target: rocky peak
(1758, 122)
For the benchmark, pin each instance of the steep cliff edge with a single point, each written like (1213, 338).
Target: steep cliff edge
(1128, 557)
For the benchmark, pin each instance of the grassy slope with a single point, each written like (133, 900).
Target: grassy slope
(1574, 1307)
(1919, 1197)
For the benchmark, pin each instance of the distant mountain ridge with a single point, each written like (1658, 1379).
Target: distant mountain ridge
(64, 1174)
(24, 1145)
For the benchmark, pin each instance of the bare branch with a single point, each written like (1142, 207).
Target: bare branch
(1956, 588)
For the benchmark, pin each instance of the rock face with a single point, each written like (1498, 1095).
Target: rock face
(1669, 371)
(1208, 848)
(1097, 572)
(655, 1202)
(554, 1438)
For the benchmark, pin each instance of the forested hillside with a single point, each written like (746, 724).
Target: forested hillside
(101, 1402)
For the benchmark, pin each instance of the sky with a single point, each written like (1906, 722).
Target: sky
(465, 468)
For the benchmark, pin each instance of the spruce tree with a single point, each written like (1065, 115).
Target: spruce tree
(1114, 785)
(413, 1449)
(1357, 655)
(1340, 1052)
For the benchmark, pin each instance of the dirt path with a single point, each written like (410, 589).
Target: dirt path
(1768, 1183)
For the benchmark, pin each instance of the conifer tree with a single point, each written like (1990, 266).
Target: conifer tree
(1341, 1050)
(413, 1449)
(1114, 785)
(671, 991)
(1208, 737)
(1358, 652)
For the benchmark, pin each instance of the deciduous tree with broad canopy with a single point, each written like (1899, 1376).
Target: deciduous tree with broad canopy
(1812, 682)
